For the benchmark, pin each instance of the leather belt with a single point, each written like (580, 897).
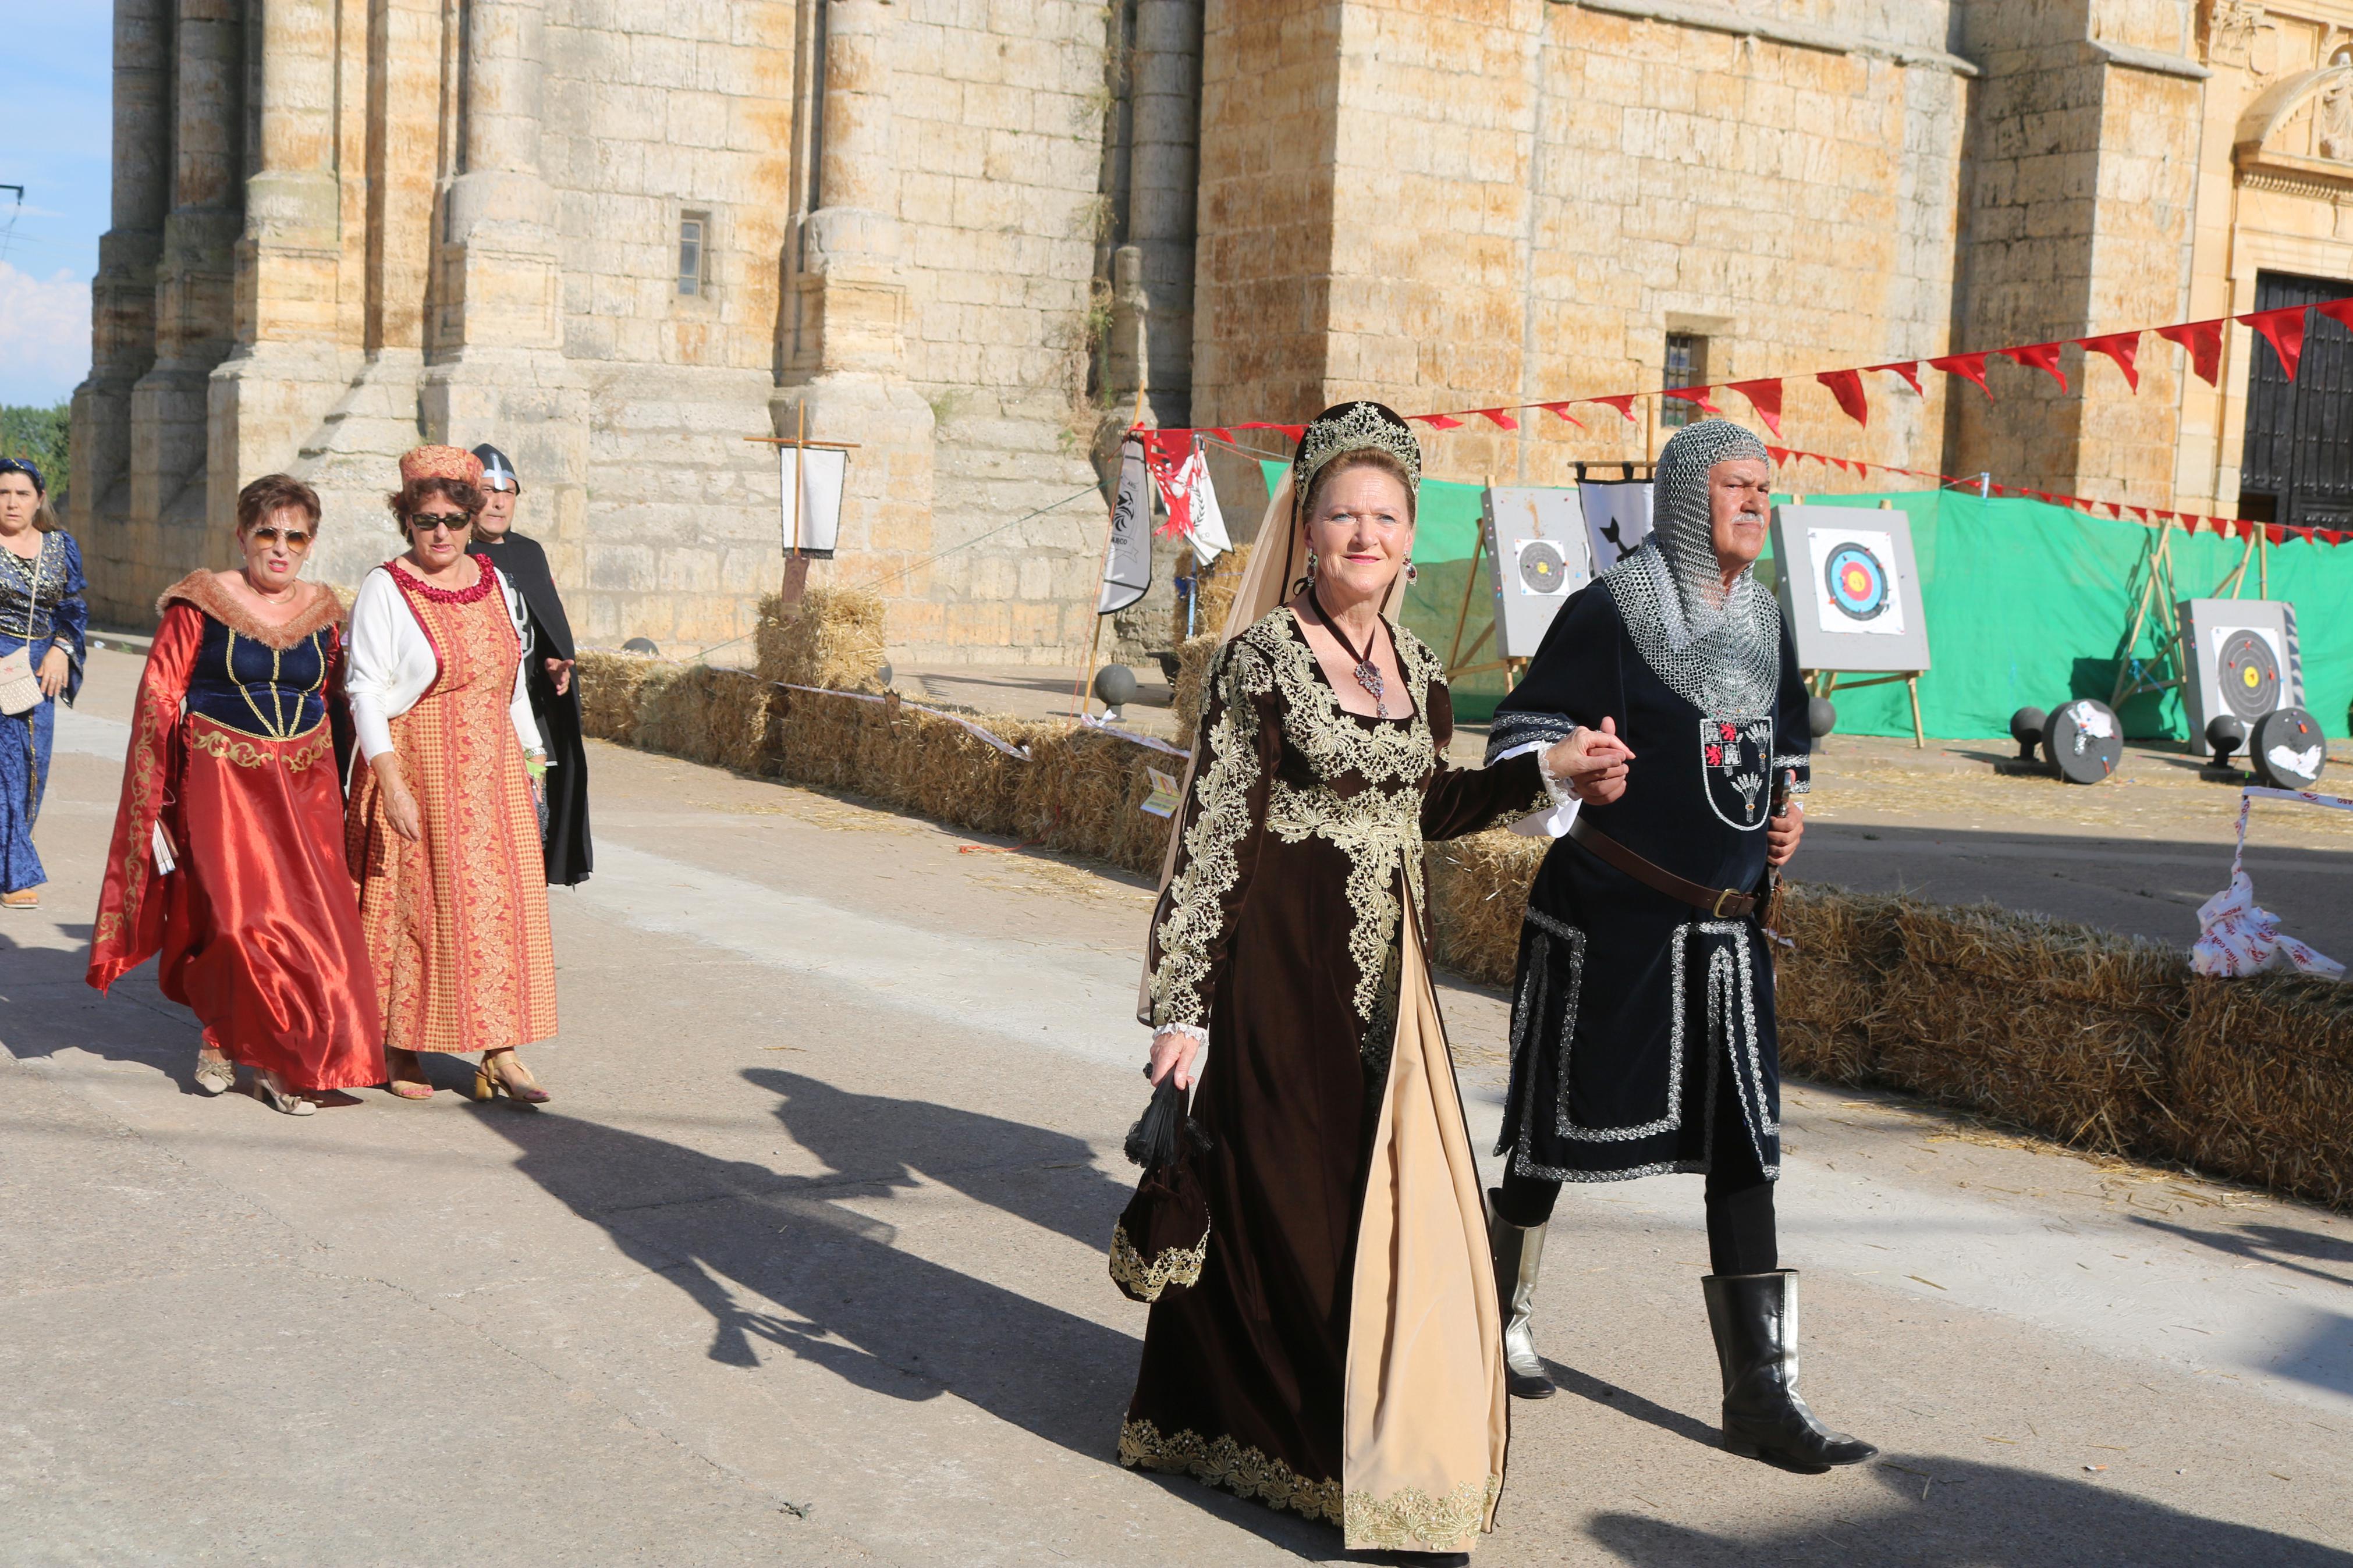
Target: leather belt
(1719, 903)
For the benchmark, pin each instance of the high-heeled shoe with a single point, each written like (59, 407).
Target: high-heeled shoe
(214, 1075)
(514, 1080)
(269, 1089)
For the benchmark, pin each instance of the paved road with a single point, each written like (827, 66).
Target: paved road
(804, 1265)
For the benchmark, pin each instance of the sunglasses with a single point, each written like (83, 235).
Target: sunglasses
(294, 539)
(427, 522)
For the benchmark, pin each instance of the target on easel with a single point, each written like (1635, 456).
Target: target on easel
(1544, 569)
(2244, 662)
(1854, 580)
(2248, 672)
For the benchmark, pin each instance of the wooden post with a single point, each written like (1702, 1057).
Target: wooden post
(1919, 735)
(795, 560)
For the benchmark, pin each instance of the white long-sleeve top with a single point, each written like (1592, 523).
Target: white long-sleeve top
(391, 662)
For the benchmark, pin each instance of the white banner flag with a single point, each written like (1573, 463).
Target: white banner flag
(1208, 533)
(1127, 570)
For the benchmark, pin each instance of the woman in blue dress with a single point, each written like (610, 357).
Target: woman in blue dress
(44, 619)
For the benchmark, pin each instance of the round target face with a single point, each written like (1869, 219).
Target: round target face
(1542, 569)
(2248, 673)
(2287, 749)
(1856, 582)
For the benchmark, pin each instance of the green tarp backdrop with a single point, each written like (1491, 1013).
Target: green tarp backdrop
(2027, 606)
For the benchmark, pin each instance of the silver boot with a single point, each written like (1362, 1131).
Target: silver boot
(1518, 1252)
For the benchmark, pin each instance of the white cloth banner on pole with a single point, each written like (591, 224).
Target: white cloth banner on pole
(1127, 568)
(1208, 533)
(817, 473)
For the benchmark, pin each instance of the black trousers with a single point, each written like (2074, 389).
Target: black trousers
(1740, 1233)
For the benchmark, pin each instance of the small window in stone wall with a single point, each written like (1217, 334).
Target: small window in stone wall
(1686, 366)
(695, 254)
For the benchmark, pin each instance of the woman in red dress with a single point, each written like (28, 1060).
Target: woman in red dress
(443, 834)
(226, 852)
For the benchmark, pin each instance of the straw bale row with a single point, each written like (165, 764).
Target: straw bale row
(2106, 1044)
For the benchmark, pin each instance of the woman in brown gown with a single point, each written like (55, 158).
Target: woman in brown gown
(1339, 1353)
(442, 834)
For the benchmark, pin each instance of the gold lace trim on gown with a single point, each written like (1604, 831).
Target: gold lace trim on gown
(1222, 1462)
(1146, 1280)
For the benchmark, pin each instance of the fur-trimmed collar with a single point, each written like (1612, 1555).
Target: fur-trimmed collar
(201, 590)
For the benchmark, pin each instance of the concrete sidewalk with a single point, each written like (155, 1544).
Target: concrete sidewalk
(805, 1265)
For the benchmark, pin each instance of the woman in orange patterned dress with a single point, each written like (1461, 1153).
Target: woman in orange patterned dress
(443, 833)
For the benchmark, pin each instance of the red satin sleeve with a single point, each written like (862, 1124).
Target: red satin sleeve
(130, 926)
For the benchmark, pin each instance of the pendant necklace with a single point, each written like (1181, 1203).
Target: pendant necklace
(1368, 673)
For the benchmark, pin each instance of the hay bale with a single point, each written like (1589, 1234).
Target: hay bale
(715, 716)
(613, 686)
(1084, 792)
(1478, 890)
(1190, 689)
(832, 637)
(1215, 597)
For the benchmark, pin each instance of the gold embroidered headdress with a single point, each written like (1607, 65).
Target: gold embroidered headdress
(1360, 426)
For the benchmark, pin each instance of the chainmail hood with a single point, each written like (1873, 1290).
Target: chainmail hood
(1717, 649)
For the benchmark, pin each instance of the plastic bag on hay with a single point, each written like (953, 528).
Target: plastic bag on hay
(1162, 1240)
(2237, 936)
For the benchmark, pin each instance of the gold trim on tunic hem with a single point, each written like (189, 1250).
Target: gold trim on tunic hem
(1221, 1461)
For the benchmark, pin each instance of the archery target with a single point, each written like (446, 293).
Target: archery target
(2247, 670)
(1856, 582)
(1544, 569)
(1856, 588)
(2243, 662)
(2288, 750)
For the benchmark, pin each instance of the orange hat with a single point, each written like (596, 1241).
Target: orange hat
(441, 463)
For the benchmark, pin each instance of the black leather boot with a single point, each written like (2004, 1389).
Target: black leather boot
(1755, 1317)
(1518, 1254)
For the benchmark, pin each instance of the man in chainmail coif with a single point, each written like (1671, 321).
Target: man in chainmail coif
(1642, 1029)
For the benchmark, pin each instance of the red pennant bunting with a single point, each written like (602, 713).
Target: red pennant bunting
(2275, 534)
(1623, 403)
(2115, 511)
(1438, 421)
(1693, 394)
(2204, 341)
(2141, 512)
(2284, 329)
(1970, 367)
(1765, 396)
(2121, 347)
(2337, 310)
(1498, 418)
(1846, 386)
(2040, 356)
(1562, 410)
(1908, 369)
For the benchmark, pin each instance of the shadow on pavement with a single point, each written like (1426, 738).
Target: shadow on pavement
(45, 1007)
(1974, 1515)
(799, 1262)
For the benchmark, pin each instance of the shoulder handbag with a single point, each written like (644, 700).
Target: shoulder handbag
(20, 689)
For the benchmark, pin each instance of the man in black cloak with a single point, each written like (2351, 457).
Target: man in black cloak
(547, 660)
(1642, 1029)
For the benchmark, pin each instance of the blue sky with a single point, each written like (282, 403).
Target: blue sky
(54, 135)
